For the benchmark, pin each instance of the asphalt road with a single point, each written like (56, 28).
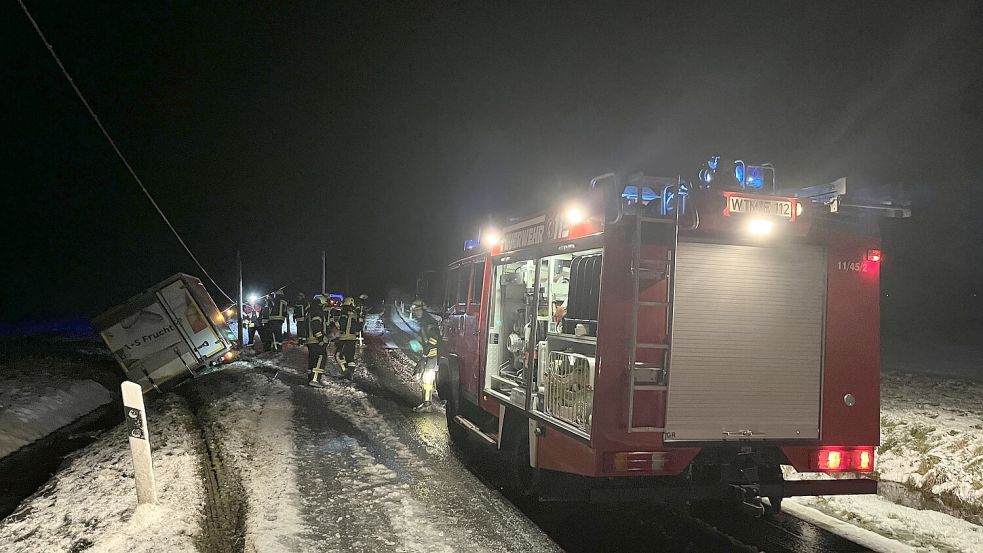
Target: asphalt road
(374, 475)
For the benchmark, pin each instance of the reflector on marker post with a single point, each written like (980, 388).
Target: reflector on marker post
(143, 467)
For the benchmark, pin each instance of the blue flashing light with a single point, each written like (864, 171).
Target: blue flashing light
(471, 244)
(712, 163)
(668, 202)
(739, 172)
(630, 193)
(755, 177)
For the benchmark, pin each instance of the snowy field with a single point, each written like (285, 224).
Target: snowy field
(47, 388)
(932, 445)
(91, 503)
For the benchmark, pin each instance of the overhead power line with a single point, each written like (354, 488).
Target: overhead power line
(116, 149)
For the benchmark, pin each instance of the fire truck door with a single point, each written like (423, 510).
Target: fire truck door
(747, 341)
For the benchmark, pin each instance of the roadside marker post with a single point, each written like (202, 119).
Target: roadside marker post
(139, 436)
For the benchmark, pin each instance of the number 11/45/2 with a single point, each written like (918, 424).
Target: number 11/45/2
(855, 266)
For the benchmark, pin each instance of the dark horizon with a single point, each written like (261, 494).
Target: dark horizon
(389, 133)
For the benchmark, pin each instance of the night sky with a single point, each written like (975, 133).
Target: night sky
(389, 132)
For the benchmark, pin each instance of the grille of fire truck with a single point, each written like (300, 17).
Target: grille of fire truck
(569, 391)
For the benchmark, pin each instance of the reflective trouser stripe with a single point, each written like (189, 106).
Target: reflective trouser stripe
(319, 366)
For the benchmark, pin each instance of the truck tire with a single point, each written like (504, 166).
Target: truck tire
(448, 389)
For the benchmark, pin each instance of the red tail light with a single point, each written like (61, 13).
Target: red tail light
(635, 461)
(830, 460)
(873, 255)
(863, 460)
(838, 459)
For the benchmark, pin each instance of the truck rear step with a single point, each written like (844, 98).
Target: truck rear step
(490, 439)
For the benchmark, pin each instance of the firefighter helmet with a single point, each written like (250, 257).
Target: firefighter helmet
(349, 301)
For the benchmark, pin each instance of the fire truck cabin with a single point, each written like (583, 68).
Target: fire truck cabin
(656, 340)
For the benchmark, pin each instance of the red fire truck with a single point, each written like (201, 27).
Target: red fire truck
(659, 340)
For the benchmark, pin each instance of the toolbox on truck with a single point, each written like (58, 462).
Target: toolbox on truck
(165, 334)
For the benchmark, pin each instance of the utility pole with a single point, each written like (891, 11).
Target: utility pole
(242, 317)
(324, 287)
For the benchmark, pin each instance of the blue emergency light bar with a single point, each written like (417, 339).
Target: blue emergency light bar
(630, 193)
(471, 244)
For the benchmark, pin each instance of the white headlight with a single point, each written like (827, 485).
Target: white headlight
(760, 227)
(574, 216)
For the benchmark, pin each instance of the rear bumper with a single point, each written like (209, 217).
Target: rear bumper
(792, 488)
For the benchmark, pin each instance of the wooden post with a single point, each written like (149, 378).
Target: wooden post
(136, 425)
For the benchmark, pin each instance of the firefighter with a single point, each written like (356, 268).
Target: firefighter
(426, 368)
(278, 314)
(264, 324)
(252, 322)
(301, 310)
(360, 305)
(317, 351)
(362, 309)
(349, 325)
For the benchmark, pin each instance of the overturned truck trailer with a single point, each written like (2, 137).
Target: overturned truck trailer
(166, 333)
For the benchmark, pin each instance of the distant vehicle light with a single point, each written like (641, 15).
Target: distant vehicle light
(760, 227)
(873, 255)
(574, 216)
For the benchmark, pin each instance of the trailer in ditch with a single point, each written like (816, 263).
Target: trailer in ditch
(167, 333)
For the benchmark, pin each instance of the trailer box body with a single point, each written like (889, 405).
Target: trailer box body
(166, 333)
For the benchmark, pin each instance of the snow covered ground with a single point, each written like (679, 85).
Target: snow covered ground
(91, 503)
(932, 447)
(340, 469)
(42, 391)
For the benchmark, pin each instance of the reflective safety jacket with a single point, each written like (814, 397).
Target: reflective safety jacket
(316, 329)
(278, 311)
(429, 334)
(300, 311)
(349, 324)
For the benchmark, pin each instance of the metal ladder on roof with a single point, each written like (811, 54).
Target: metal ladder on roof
(651, 375)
